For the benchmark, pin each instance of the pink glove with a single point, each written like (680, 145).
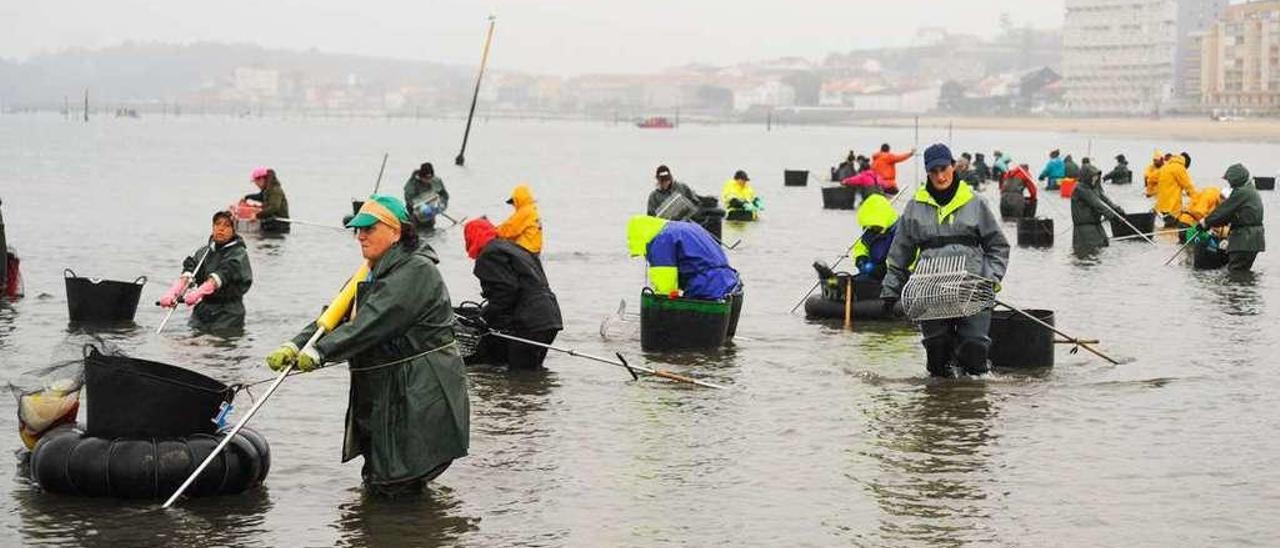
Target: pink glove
(170, 298)
(198, 294)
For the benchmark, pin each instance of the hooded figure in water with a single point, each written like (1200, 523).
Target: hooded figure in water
(683, 258)
(524, 226)
(879, 223)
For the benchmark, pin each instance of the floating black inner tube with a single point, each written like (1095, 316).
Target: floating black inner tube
(69, 461)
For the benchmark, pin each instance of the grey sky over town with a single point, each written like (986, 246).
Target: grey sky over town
(559, 37)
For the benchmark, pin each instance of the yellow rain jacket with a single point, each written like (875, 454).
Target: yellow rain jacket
(524, 226)
(733, 190)
(1202, 204)
(1174, 182)
(874, 211)
(641, 230)
(1152, 178)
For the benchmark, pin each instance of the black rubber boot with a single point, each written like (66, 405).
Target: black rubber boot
(973, 358)
(939, 359)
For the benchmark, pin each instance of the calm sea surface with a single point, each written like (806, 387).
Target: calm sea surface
(825, 437)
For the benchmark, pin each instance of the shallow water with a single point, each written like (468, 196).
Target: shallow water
(824, 438)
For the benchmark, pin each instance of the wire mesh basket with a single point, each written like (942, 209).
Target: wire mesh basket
(941, 288)
(466, 336)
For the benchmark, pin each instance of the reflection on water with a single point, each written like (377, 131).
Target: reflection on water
(62, 520)
(427, 519)
(931, 447)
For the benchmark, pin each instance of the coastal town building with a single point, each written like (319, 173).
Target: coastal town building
(1118, 55)
(1240, 59)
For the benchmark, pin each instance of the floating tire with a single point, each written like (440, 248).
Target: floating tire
(69, 461)
(819, 307)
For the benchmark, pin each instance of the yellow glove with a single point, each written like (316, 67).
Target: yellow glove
(282, 357)
(997, 287)
(309, 360)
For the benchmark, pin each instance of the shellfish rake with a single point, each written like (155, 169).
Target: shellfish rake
(941, 288)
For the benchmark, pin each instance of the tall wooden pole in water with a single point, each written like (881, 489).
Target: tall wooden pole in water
(86, 105)
(484, 58)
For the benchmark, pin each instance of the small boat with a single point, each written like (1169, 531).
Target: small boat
(655, 122)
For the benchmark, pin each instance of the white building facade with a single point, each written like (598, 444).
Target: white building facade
(1118, 56)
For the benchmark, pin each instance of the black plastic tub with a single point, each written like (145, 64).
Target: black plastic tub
(710, 216)
(1019, 343)
(1035, 232)
(69, 461)
(1146, 222)
(1204, 258)
(1264, 183)
(132, 398)
(838, 197)
(683, 324)
(739, 215)
(795, 177)
(90, 300)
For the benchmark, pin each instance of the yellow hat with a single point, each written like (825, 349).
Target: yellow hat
(1157, 155)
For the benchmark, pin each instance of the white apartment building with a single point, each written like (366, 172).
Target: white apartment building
(1240, 68)
(1118, 56)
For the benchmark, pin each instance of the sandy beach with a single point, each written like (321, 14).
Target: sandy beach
(1200, 128)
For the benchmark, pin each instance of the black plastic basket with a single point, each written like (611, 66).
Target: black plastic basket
(668, 323)
(795, 177)
(1019, 343)
(1146, 222)
(91, 300)
(132, 398)
(838, 197)
(1035, 232)
(1264, 183)
(1204, 257)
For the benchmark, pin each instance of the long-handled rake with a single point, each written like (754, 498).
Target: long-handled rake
(942, 288)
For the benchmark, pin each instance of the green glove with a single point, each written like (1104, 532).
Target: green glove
(282, 357)
(309, 360)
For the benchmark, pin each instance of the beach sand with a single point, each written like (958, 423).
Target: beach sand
(1248, 130)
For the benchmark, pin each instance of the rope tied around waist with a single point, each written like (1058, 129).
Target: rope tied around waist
(237, 388)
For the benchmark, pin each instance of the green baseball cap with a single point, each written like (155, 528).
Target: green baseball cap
(379, 207)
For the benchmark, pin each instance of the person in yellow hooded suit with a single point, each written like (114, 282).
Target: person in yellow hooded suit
(738, 195)
(524, 226)
(1174, 183)
(1152, 175)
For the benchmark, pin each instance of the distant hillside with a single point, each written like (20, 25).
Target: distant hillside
(164, 72)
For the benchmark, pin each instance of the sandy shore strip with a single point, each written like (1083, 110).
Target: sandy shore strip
(1248, 130)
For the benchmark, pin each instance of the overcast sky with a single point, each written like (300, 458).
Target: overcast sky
(551, 36)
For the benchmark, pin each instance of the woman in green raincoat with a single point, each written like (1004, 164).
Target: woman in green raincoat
(214, 279)
(407, 410)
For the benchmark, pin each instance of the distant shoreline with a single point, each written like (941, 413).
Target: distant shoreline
(1200, 129)
(1251, 130)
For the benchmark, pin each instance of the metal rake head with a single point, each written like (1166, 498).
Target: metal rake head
(942, 288)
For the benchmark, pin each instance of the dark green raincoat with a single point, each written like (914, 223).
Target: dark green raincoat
(1119, 175)
(418, 191)
(229, 264)
(406, 419)
(1243, 211)
(1089, 206)
(274, 204)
